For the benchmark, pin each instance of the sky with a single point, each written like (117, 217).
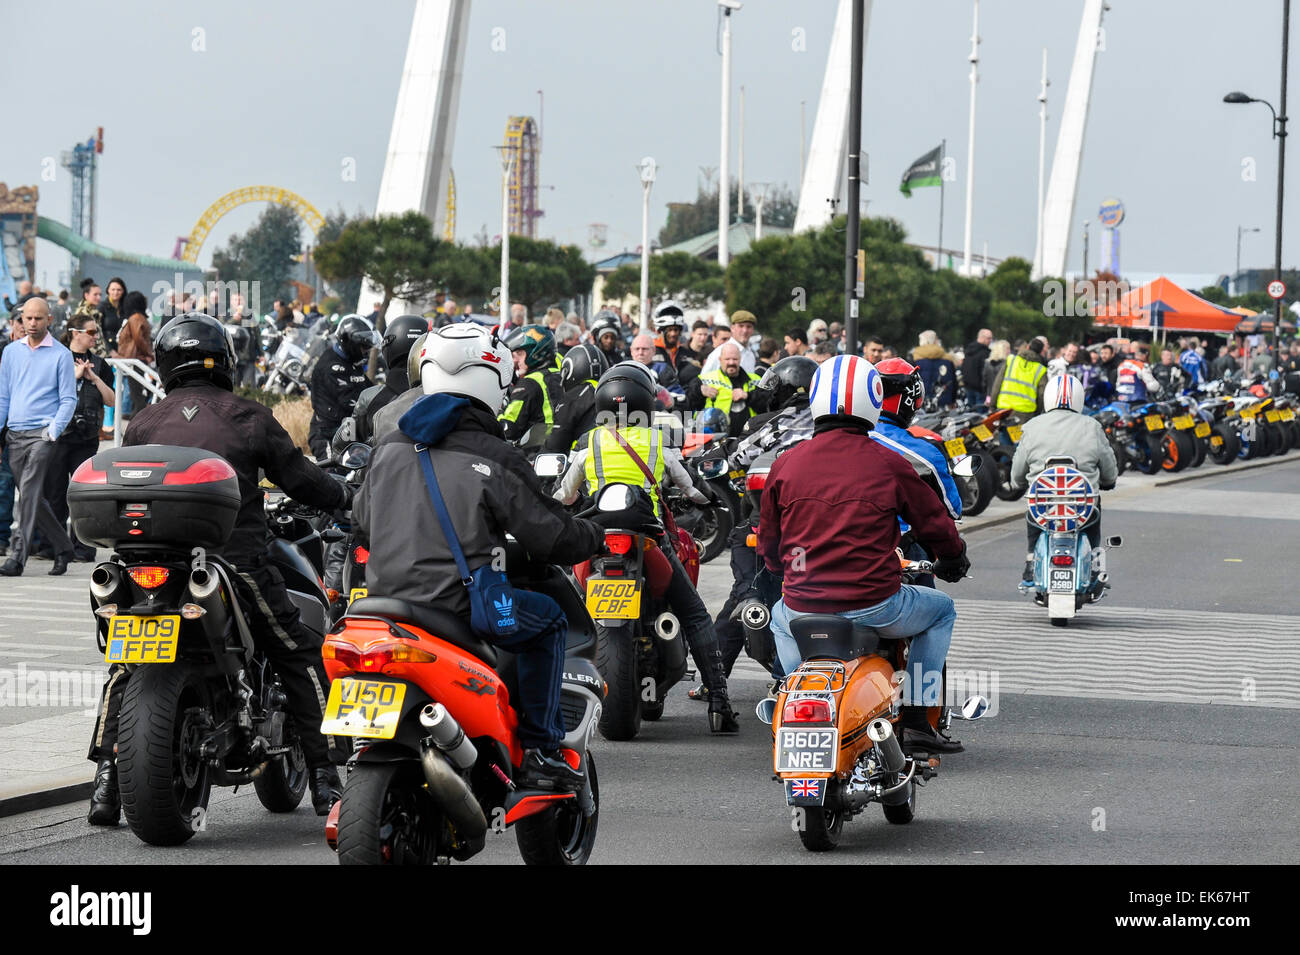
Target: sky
(199, 98)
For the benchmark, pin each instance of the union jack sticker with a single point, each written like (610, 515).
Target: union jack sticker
(805, 791)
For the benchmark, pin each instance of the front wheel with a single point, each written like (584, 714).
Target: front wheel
(1060, 621)
(820, 829)
(616, 659)
(564, 835)
(163, 777)
(386, 817)
(281, 785)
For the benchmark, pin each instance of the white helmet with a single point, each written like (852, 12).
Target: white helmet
(469, 360)
(669, 315)
(847, 385)
(1063, 391)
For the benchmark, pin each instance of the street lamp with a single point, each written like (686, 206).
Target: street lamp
(507, 154)
(727, 7)
(758, 195)
(1233, 284)
(1279, 133)
(646, 168)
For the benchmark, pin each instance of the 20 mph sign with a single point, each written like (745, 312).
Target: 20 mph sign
(1276, 288)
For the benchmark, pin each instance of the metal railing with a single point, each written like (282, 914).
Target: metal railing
(144, 375)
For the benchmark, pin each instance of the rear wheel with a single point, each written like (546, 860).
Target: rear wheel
(1121, 455)
(564, 835)
(1060, 621)
(386, 816)
(984, 482)
(283, 782)
(903, 812)
(1176, 450)
(1200, 450)
(713, 530)
(820, 828)
(1228, 446)
(163, 778)
(616, 659)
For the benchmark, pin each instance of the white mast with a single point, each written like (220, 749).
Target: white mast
(1042, 149)
(970, 148)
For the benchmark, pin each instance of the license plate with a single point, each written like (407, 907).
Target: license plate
(357, 593)
(1248, 412)
(1202, 429)
(616, 599)
(142, 639)
(1013, 432)
(738, 473)
(1270, 416)
(956, 447)
(1061, 581)
(807, 750)
(1184, 421)
(981, 432)
(1287, 414)
(365, 708)
(1216, 441)
(1154, 422)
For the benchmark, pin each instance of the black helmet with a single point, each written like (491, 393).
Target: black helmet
(538, 344)
(195, 345)
(582, 363)
(789, 380)
(626, 388)
(355, 336)
(399, 336)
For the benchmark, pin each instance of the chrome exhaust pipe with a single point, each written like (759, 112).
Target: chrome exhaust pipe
(105, 580)
(754, 615)
(667, 626)
(205, 589)
(203, 582)
(448, 736)
(881, 734)
(451, 793)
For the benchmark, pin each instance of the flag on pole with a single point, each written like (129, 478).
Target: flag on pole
(924, 172)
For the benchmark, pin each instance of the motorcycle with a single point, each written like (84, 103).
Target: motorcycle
(835, 744)
(203, 707)
(1146, 440)
(976, 483)
(428, 706)
(1068, 572)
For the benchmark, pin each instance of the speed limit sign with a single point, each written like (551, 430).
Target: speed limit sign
(1276, 288)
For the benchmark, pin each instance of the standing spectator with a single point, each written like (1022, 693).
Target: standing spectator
(972, 367)
(699, 343)
(80, 440)
(818, 331)
(136, 341)
(938, 370)
(38, 395)
(993, 365)
(13, 333)
(740, 329)
(518, 314)
(373, 317)
(566, 336)
(874, 350)
(1108, 367)
(796, 341)
(823, 351)
(111, 317)
(554, 317)
(769, 353)
(1262, 363)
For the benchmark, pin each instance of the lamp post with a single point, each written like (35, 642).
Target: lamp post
(724, 172)
(1233, 284)
(1279, 133)
(647, 170)
(507, 154)
(852, 169)
(758, 195)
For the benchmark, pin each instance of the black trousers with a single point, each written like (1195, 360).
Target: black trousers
(697, 625)
(744, 568)
(69, 453)
(294, 652)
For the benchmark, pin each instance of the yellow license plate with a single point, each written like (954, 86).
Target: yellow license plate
(1216, 441)
(1248, 412)
(956, 447)
(142, 639)
(1013, 432)
(1202, 429)
(736, 474)
(357, 593)
(1287, 414)
(1271, 416)
(616, 599)
(1154, 422)
(981, 432)
(1184, 421)
(365, 708)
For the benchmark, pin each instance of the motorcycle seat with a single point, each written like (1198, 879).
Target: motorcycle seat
(439, 623)
(830, 636)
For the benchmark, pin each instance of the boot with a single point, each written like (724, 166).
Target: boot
(105, 801)
(1027, 575)
(722, 719)
(919, 736)
(326, 789)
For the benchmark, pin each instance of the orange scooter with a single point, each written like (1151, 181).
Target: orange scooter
(835, 743)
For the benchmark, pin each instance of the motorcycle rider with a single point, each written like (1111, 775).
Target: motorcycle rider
(1060, 431)
(821, 528)
(1168, 373)
(729, 388)
(670, 350)
(490, 490)
(400, 336)
(197, 367)
(338, 380)
(625, 402)
(537, 391)
(579, 372)
(1134, 380)
(607, 335)
(1194, 365)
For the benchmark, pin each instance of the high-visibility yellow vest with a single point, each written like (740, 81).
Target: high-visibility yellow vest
(548, 413)
(608, 463)
(1019, 390)
(722, 400)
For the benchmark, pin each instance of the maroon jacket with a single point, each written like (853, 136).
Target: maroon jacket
(829, 521)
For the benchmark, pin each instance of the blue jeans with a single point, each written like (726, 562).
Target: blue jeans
(925, 615)
(6, 497)
(539, 646)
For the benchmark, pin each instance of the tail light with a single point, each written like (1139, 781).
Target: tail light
(806, 711)
(618, 543)
(755, 482)
(1063, 560)
(360, 555)
(374, 657)
(150, 578)
(201, 472)
(86, 474)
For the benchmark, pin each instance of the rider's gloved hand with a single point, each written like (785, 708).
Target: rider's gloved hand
(952, 569)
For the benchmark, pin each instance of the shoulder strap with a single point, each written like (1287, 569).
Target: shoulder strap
(440, 508)
(665, 513)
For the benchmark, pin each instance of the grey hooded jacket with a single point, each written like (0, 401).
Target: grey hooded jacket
(1062, 432)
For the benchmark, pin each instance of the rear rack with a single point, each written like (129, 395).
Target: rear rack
(830, 674)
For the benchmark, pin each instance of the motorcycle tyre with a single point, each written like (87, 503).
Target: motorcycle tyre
(903, 812)
(1002, 458)
(563, 835)
(369, 789)
(283, 782)
(616, 659)
(821, 829)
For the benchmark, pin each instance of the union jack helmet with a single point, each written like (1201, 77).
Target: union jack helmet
(1063, 391)
(847, 385)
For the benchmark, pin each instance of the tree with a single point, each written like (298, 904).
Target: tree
(1010, 282)
(399, 253)
(686, 220)
(263, 255)
(678, 275)
(541, 271)
(348, 291)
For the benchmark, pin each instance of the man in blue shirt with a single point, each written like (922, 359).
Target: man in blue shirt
(38, 395)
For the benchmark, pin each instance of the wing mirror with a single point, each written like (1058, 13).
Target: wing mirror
(550, 465)
(766, 710)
